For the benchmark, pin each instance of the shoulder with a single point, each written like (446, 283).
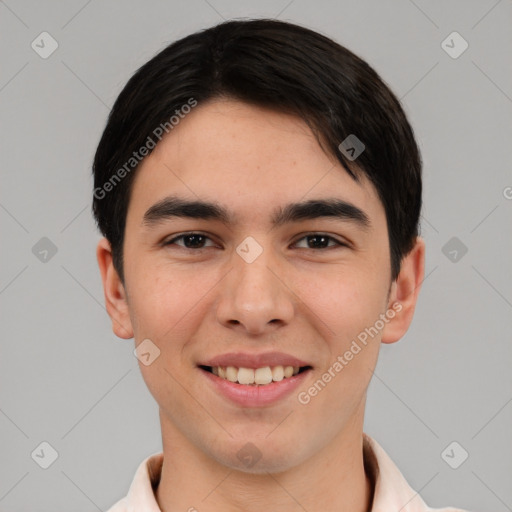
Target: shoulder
(120, 506)
(141, 492)
(449, 509)
(391, 489)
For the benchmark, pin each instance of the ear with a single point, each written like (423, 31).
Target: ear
(115, 295)
(404, 293)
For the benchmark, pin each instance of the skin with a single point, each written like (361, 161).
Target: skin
(196, 305)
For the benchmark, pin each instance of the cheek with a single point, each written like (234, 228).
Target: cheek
(344, 306)
(341, 302)
(345, 310)
(168, 300)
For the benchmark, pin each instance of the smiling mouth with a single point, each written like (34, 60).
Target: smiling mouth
(255, 376)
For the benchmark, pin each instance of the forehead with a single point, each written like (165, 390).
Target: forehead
(248, 157)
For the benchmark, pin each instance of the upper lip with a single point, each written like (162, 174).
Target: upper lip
(245, 360)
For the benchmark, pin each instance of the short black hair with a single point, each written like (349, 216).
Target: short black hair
(277, 65)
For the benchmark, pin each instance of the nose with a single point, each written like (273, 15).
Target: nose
(254, 297)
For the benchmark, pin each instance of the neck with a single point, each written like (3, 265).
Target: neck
(332, 479)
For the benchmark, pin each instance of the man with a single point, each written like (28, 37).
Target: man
(259, 189)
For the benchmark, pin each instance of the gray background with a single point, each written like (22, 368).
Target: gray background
(67, 380)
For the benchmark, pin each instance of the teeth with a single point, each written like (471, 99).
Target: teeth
(277, 373)
(260, 376)
(263, 375)
(231, 373)
(246, 376)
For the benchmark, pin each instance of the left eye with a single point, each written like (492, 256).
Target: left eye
(320, 241)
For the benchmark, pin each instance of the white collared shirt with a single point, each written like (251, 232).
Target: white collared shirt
(392, 493)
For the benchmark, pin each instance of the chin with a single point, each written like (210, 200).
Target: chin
(263, 466)
(258, 456)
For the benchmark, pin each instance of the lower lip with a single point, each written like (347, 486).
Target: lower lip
(256, 395)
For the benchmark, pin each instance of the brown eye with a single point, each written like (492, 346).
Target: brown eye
(320, 241)
(190, 241)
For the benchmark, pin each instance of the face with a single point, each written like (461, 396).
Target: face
(254, 284)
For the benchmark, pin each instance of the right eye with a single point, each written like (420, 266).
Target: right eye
(192, 241)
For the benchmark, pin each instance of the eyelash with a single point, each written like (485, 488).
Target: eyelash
(309, 235)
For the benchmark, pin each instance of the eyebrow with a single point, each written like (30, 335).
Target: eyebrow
(176, 207)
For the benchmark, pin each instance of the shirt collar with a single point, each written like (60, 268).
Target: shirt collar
(141, 495)
(391, 490)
